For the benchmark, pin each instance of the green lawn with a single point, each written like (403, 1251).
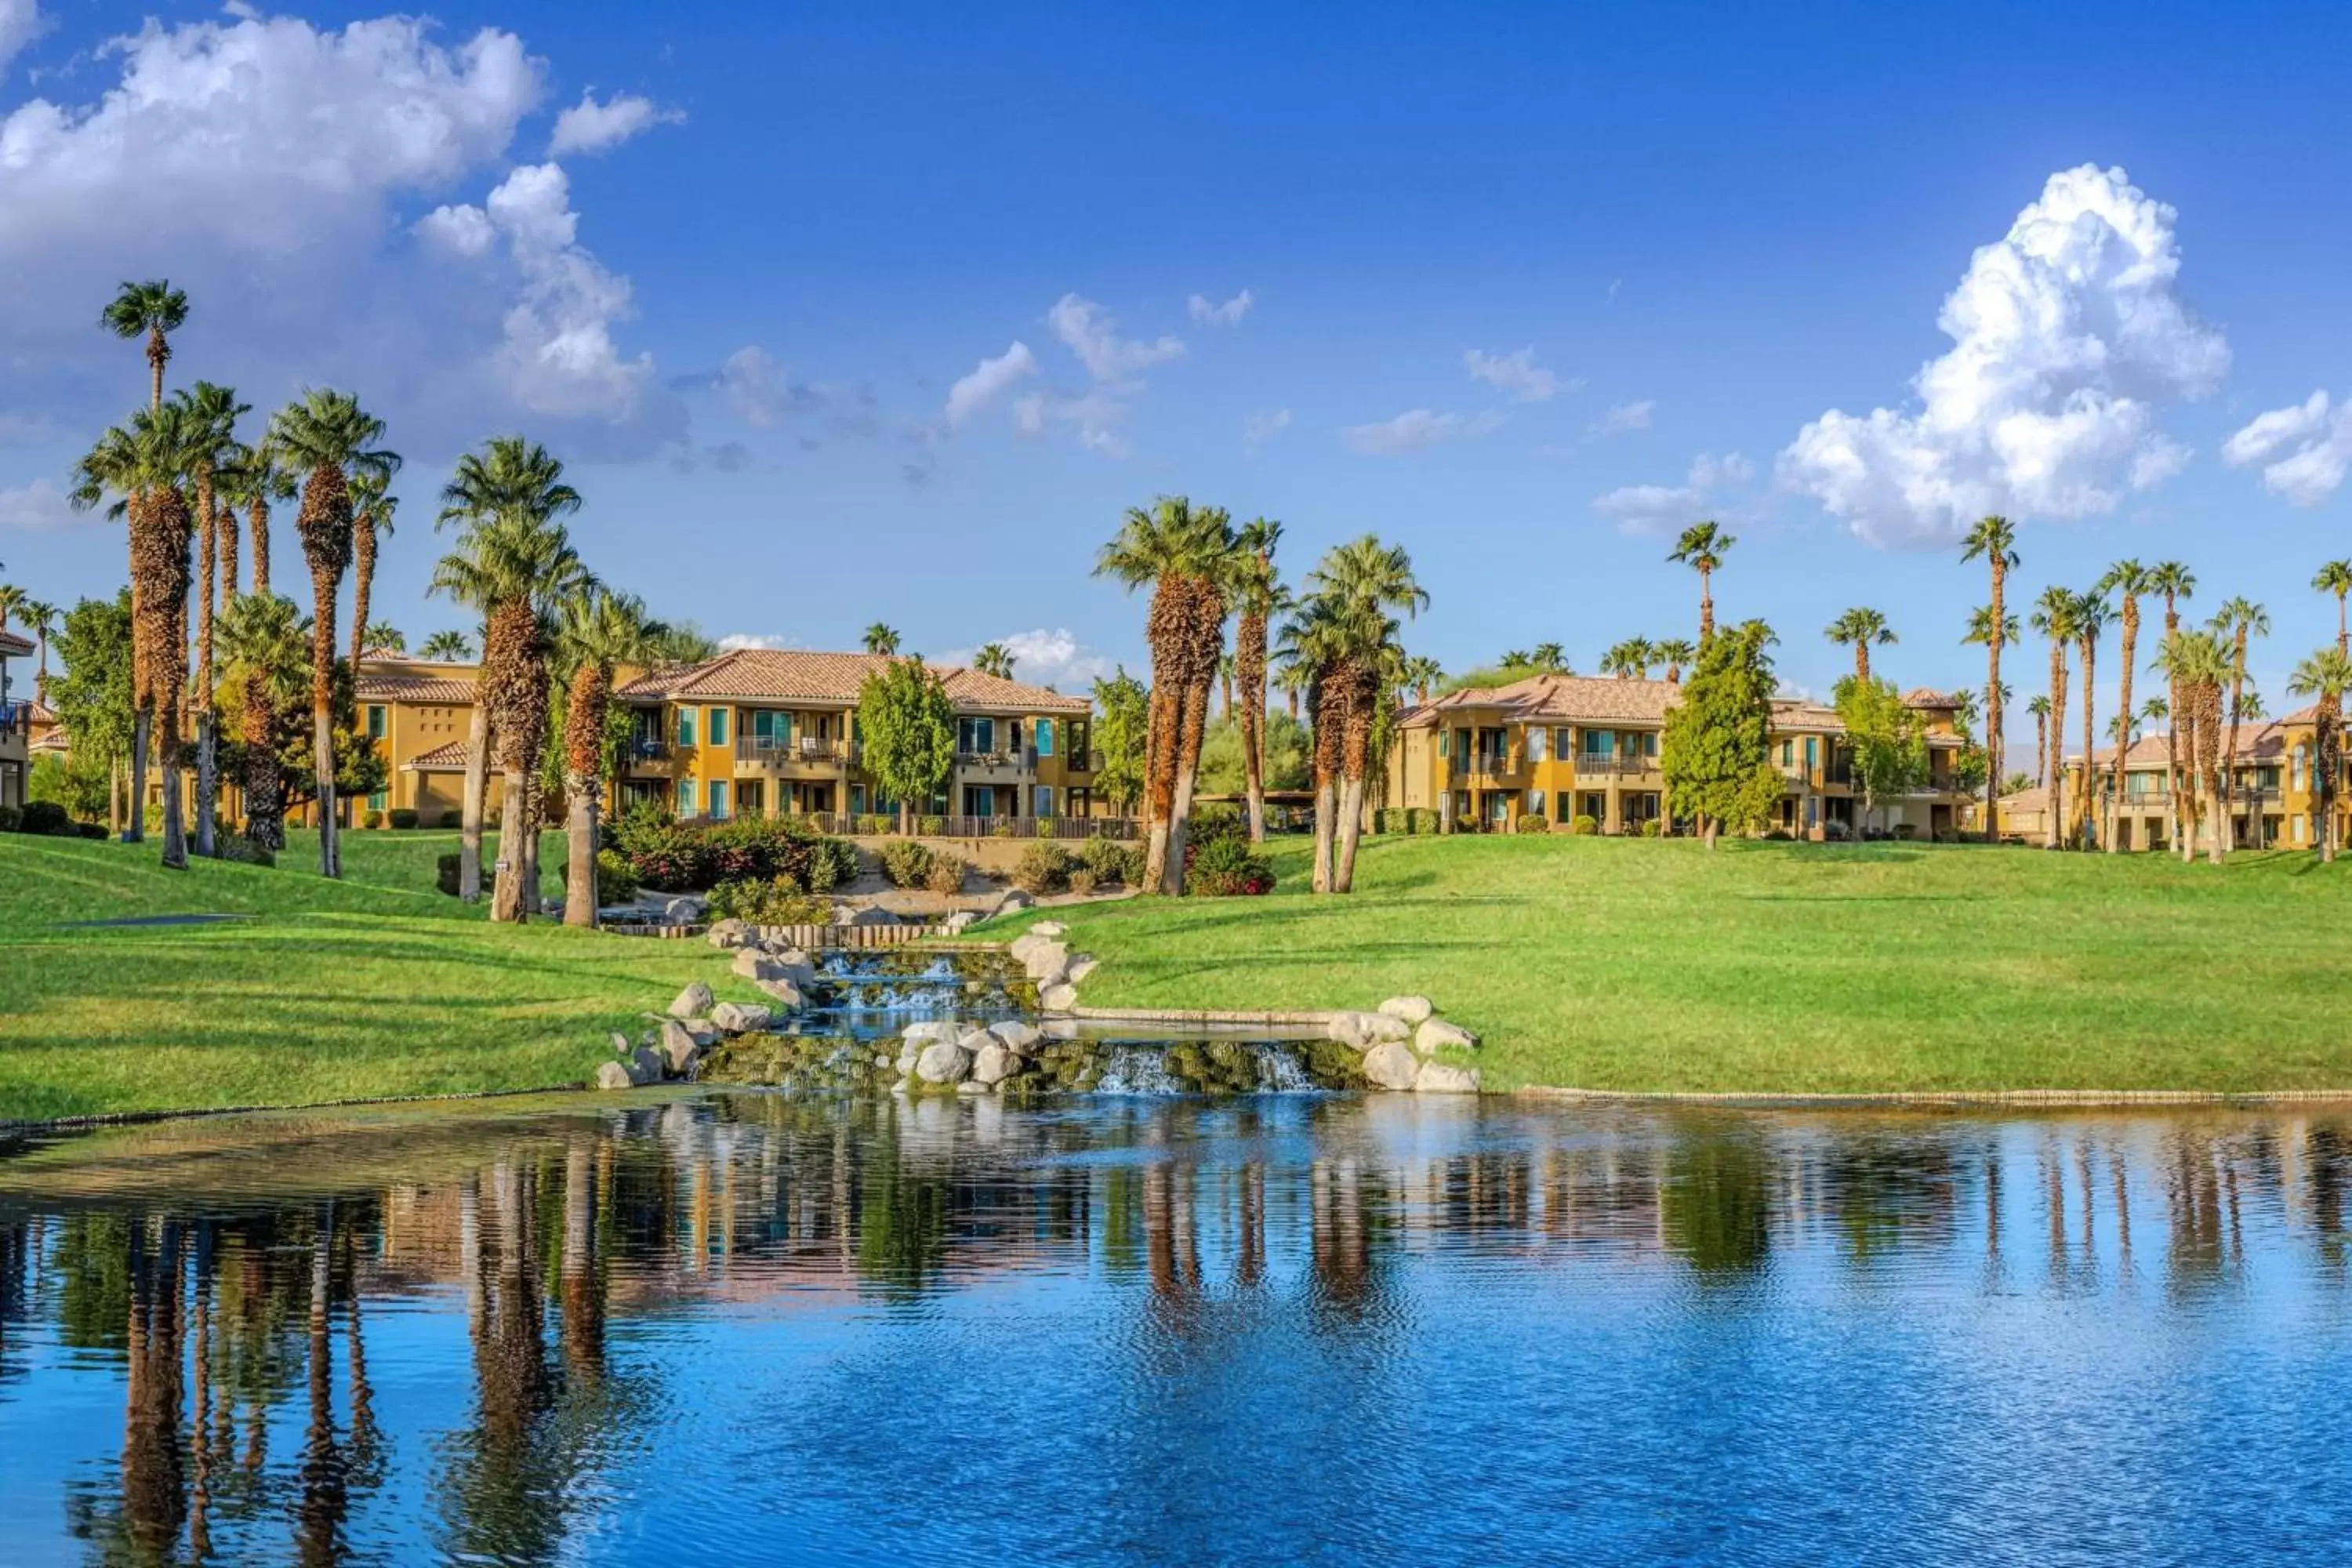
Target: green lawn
(375, 985)
(1788, 968)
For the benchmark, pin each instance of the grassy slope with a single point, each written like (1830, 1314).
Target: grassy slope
(1641, 965)
(377, 986)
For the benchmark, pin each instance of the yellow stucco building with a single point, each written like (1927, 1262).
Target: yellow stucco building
(2274, 805)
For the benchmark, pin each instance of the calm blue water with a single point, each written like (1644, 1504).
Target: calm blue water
(741, 1328)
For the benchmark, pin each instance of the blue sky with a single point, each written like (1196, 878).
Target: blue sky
(1683, 236)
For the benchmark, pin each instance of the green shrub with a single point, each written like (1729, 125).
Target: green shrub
(773, 902)
(1082, 882)
(242, 851)
(663, 852)
(453, 819)
(93, 830)
(47, 816)
(907, 864)
(445, 873)
(1534, 822)
(1044, 867)
(12, 820)
(1000, 827)
(1112, 861)
(1655, 828)
(1585, 823)
(1223, 865)
(403, 817)
(930, 826)
(372, 819)
(946, 874)
(1422, 819)
(616, 882)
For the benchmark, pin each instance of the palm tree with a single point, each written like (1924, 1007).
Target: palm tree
(1674, 653)
(1421, 675)
(446, 647)
(2054, 617)
(371, 513)
(1360, 582)
(1517, 659)
(12, 601)
(330, 439)
(153, 310)
(2129, 579)
(2092, 614)
(266, 649)
(1187, 555)
(41, 620)
(1994, 539)
(1550, 658)
(680, 643)
(209, 415)
(1630, 659)
(258, 478)
(143, 463)
(384, 635)
(2039, 708)
(1258, 596)
(2175, 582)
(994, 659)
(2236, 621)
(2198, 664)
(1701, 548)
(1860, 627)
(881, 639)
(2327, 676)
(595, 630)
(509, 477)
(1315, 655)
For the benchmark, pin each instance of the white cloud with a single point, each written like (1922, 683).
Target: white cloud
(1228, 314)
(1044, 658)
(2304, 448)
(1264, 426)
(2067, 335)
(758, 389)
(20, 24)
(988, 381)
(1095, 415)
(1091, 332)
(1516, 373)
(1415, 430)
(589, 127)
(1659, 509)
(463, 230)
(732, 641)
(1622, 417)
(38, 507)
(1732, 469)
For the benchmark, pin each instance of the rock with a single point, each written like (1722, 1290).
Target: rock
(1361, 1029)
(750, 964)
(930, 1029)
(1016, 1035)
(706, 1033)
(787, 995)
(942, 1062)
(975, 1038)
(1079, 968)
(957, 923)
(1022, 946)
(620, 1047)
(1046, 962)
(1442, 1078)
(909, 1055)
(1391, 1065)
(1014, 898)
(685, 909)
(1048, 928)
(1437, 1031)
(730, 932)
(993, 1064)
(614, 1075)
(645, 1065)
(694, 1002)
(881, 1058)
(1411, 1009)
(679, 1047)
(972, 1086)
(741, 1017)
(1058, 998)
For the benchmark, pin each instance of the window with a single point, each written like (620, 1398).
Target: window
(2298, 829)
(771, 729)
(377, 800)
(685, 797)
(1563, 743)
(686, 726)
(1012, 735)
(377, 721)
(1081, 743)
(1041, 801)
(752, 797)
(975, 737)
(718, 728)
(2300, 753)
(1535, 801)
(718, 792)
(1044, 745)
(1788, 754)
(1601, 743)
(1649, 743)
(1536, 738)
(1812, 752)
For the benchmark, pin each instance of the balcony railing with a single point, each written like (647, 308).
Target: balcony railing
(1022, 759)
(648, 748)
(15, 719)
(1590, 764)
(1065, 828)
(777, 751)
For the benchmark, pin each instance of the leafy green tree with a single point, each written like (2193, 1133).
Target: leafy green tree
(1888, 741)
(1123, 717)
(92, 695)
(1717, 751)
(1224, 755)
(906, 734)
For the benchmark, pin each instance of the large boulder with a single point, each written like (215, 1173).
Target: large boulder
(614, 1075)
(993, 1064)
(621, 1044)
(1022, 946)
(742, 1017)
(974, 1038)
(1436, 1033)
(1080, 966)
(958, 923)
(1411, 1009)
(678, 1048)
(1443, 1077)
(750, 964)
(1048, 928)
(1391, 1065)
(1047, 963)
(730, 932)
(1058, 998)
(943, 1062)
(930, 1029)
(1362, 1029)
(787, 996)
(684, 910)
(645, 1065)
(694, 1002)
(1016, 1035)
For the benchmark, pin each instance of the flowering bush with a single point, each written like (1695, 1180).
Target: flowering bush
(663, 853)
(1224, 867)
(777, 901)
(1534, 822)
(1585, 823)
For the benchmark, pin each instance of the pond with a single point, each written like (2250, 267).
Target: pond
(735, 1326)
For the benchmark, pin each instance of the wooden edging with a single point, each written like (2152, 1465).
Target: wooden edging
(1999, 1098)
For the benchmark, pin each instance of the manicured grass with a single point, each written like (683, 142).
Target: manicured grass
(375, 985)
(1787, 968)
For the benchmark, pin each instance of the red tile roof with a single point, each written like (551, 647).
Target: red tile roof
(791, 675)
(15, 646)
(449, 758)
(399, 684)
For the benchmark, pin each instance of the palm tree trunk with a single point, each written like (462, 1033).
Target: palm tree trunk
(2054, 766)
(1993, 749)
(1330, 727)
(1249, 659)
(207, 775)
(470, 809)
(363, 586)
(2185, 721)
(142, 726)
(225, 530)
(1705, 609)
(580, 850)
(2083, 787)
(175, 833)
(533, 804)
(322, 720)
(1355, 752)
(1160, 780)
(1190, 736)
(256, 514)
(505, 890)
(2124, 719)
(264, 809)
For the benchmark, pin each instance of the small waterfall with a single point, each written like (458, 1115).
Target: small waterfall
(1138, 1069)
(1280, 1070)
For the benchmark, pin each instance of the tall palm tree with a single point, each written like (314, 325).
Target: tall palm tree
(2054, 617)
(1549, 657)
(1361, 581)
(1993, 539)
(2326, 676)
(2092, 614)
(2039, 708)
(509, 477)
(1185, 554)
(1860, 627)
(1701, 548)
(265, 650)
(446, 647)
(371, 513)
(384, 635)
(1316, 660)
(209, 414)
(1258, 596)
(994, 659)
(1674, 653)
(40, 619)
(595, 630)
(12, 601)
(1630, 659)
(329, 439)
(2235, 622)
(881, 639)
(2335, 578)
(258, 477)
(2198, 664)
(2175, 582)
(1422, 674)
(143, 463)
(153, 310)
(2129, 580)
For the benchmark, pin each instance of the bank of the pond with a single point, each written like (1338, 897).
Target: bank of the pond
(1640, 966)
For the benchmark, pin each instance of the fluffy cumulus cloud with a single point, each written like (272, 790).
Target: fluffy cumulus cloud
(2068, 335)
(1091, 332)
(2303, 449)
(759, 390)
(1209, 313)
(735, 640)
(1620, 418)
(1415, 430)
(1094, 411)
(20, 24)
(40, 505)
(1516, 373)
(590, 127)
(989, 380)
(1046, 658)
(1661, 509)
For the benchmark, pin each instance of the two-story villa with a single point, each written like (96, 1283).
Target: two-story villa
(16, 722)
(1565, 746)
(2274, 789)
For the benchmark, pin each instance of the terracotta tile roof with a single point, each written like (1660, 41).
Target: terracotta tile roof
(791, 675)
(2260, 739)
(15, 646)
(1558, 698)
(442, 759)
(1928, 697)
(399, 686)
(1801, 714)
(56, 740)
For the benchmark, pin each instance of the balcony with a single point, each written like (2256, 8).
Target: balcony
(645, 751)
(809, 752)
(1590, 765)
(15, 720)
(996, 768)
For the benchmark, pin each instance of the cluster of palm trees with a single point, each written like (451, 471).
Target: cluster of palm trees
(40, 619)
(1633, 658)
(2206, 700)
(1337, 646)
